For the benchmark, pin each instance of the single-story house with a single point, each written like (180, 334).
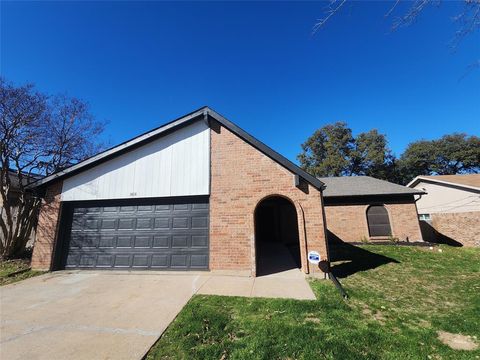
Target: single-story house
(363, 208)
(450, 209)
(198, 193)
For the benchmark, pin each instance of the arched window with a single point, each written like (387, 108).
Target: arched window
(378, 222)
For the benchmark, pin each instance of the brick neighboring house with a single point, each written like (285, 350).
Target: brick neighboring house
(450, 209)
(362, 208)
(198, 193)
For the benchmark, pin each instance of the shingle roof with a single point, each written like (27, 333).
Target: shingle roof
(363, 186)
(469, 180)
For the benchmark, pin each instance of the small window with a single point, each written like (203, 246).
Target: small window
(378, 221)
(424, 217)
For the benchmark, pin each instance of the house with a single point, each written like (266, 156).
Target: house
(198, 193)
(450, 209)
(363, 208)
(13, 199)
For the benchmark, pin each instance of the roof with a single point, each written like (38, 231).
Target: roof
(469, 181)
(26, 179)
(363, 186)
(205, 113)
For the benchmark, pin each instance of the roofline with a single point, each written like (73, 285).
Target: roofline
(204, 112)
(267, 150)
(431, 180)
(120, 148)
(419, 192)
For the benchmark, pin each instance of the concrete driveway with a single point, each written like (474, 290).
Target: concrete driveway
(114, 315)
(90, 315)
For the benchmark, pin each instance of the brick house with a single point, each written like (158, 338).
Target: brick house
(449, 210)
(198, 193)
(362, 208)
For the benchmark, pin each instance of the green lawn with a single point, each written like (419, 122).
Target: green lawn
(399, 298)
(9, 269)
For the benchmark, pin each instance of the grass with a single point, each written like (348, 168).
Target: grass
(399, 298)
(15, 270)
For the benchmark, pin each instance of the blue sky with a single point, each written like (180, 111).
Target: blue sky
(142, 64)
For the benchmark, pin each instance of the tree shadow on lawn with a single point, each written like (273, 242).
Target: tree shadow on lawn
(352, 258)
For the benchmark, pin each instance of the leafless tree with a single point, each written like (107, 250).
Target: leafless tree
(467, 20)
(39, 135)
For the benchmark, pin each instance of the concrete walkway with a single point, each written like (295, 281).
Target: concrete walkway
(289, 284)
(113, 315)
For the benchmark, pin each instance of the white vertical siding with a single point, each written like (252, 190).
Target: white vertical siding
(177, 164)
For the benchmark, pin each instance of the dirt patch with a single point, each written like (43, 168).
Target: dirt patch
(457, 341)
(312, 319)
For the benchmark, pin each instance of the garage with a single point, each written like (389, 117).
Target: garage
(181, 197)
(161, 234)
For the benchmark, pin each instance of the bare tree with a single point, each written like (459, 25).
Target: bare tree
(467, 20)
(39, 135)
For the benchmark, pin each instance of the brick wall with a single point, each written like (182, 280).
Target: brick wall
(241, 176)
(349, 222)
(47, 228)
(461, 227)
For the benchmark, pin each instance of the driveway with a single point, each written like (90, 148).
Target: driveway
(90, 315)
(114, 315)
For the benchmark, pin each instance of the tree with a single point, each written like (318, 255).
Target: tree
(457, 153)
(333, 151)
(327, 151)
(371, 155)
(39, 135)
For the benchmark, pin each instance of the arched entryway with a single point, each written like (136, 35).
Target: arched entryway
(276, 236)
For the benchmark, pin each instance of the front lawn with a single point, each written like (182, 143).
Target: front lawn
(15, 270)
(400, 298)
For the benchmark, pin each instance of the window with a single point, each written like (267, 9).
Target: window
(378, 221)
(424, 217)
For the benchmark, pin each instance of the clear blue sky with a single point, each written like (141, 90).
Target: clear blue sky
(142, 64)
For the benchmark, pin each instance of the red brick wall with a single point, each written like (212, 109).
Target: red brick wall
(47, 228)
(349, 222)
(241, 176)
(463, 227)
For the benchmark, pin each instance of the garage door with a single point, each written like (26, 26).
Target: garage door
(158, 235)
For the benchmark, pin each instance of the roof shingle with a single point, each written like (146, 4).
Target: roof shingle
(363, 186)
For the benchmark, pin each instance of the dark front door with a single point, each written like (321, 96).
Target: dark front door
(156, 234)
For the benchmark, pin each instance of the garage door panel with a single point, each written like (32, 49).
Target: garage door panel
(105, 260)
(141, 236)
(198, 261)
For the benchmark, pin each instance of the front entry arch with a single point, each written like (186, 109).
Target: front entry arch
(277, 242)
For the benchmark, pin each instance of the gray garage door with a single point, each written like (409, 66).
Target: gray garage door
(157, 236)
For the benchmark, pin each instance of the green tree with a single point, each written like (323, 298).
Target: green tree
(327, 151)
(333, 151)
(371, 155)
(452, 154)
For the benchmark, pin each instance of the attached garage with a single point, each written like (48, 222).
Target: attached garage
(180, 197)
(162, 234)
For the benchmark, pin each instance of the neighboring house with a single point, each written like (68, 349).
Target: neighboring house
(198, 193)
(13, 198)
(362, 208)
(450, 209)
